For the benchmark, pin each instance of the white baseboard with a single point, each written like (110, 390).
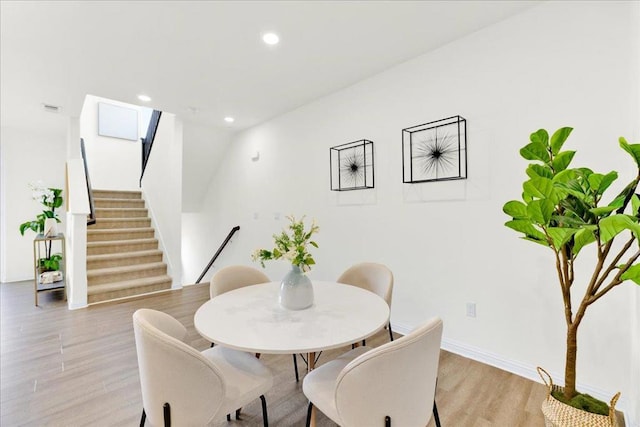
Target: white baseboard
(522, 369)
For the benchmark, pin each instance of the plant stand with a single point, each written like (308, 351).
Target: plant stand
(39, 248)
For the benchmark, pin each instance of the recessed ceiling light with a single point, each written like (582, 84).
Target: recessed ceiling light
(144, 98)
(270, 38)
(229, 119)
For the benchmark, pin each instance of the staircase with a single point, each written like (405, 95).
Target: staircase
(123, 259)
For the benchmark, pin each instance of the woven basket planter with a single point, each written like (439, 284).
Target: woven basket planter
(558, 414)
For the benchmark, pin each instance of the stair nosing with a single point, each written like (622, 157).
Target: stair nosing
(120, 230)
(121, 242)
(131, 254)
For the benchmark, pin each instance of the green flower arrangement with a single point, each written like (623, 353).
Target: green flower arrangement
(291, 244)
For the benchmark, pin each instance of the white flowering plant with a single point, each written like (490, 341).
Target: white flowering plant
(291, 244)
(51, 198)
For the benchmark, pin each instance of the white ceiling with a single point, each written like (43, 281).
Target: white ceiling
(209, 55)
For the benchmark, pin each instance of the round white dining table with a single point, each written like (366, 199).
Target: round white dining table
(251, 319)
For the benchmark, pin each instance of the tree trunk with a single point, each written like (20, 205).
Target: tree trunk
(570, 362)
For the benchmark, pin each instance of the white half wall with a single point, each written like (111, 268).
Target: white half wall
(162, 188)
(26, 156)
(559, 64)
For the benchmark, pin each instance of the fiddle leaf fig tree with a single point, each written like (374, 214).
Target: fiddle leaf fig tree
(565, 209)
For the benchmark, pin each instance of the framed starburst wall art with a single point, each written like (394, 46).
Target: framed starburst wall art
(435, 151)
(352, 166)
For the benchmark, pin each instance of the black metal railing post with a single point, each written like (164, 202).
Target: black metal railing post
(92, 214)
(215, 256)
(147, 141)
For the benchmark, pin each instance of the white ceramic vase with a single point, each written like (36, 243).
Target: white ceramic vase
(50, 227)
(296, 290)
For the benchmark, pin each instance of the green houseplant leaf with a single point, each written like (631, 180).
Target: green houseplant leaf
(558, 138)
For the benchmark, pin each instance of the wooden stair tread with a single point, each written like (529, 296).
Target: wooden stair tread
(124, 269)
(128, 284)
(120, 230)
(121, 242)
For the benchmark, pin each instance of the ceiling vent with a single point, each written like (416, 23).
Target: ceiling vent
(51, 108)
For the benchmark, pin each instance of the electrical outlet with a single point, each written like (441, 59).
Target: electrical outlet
(471, 309)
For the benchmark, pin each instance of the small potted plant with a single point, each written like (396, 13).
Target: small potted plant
(44, 223)
(564, 210)
(296, 290)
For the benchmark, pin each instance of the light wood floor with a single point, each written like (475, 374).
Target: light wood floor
(78, 368)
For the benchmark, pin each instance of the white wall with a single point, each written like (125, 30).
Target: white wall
(162, 188)
(25, 156)
(203, 150)
(113, 163)
(560, 64)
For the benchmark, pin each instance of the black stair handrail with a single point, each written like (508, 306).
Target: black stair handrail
(231, 233)
(147, 141)
(92, 214)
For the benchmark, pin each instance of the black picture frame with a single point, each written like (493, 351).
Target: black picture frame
(435, 151)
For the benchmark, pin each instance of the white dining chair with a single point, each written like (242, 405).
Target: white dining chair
(234, 277)
(186, 387)
(391, 384)
(239, 276)
(374, 277)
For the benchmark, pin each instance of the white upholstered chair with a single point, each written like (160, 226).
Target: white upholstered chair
(373, 277)
(186, 387)
(393, 384)
(234, 277)
(239, 276)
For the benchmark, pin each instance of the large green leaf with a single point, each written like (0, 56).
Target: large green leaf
(541, 188)
(541, 137)
(582, 238)
(558, 138)
(526, 227)
(539, 211)
(599, 183)
(535, 151)
(635, 205)
(633, 273)
(535, 171)
(565, 176)
(612, 225)
(562, 160)
(560, 235)
(633, 149)
(603, 210)
(515, 209)
(569, 221)
(622, 199)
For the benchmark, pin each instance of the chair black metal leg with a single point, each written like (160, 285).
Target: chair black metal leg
(295, 366)
(387, 421)
(238, 413)
(265, 417)
(212, 344)
(228, 417)
(435, 414)
(390, 332)
(166, 410)
(143, 418)
(308, 423)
